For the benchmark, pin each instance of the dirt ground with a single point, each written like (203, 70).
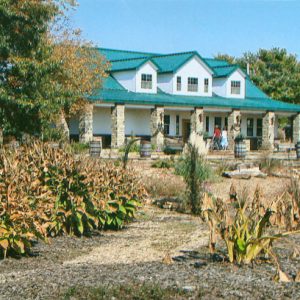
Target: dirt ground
(160, 246)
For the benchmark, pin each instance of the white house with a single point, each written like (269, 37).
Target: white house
(154, 96)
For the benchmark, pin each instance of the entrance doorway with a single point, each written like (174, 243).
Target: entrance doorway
(186, 129)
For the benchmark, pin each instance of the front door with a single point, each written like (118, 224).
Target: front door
(186, 129)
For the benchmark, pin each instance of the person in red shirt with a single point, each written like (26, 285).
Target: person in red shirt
(217, 136)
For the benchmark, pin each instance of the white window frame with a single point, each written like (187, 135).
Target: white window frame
(178, 83)
(146, 81)
(192, 84)
(235, 87)
(206, 85)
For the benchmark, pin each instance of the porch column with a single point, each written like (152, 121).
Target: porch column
(117, 126)
(268, 131)
(86, 124)
(197, 120)
(296, 128)
(234, 127)
(157, 127)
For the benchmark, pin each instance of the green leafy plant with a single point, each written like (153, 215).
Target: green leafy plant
(195, 172)
(245, 234)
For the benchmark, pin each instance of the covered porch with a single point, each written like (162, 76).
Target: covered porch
(113, 122)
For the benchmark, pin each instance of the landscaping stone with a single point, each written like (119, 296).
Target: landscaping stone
(245, 173)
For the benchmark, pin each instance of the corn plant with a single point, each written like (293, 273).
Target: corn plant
(242, 229)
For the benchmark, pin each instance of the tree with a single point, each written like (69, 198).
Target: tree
(275, 71)
(44, 72)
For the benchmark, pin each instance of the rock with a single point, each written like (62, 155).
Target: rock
(216, 258)
(245, 173)
(200, 264)
(188, 289)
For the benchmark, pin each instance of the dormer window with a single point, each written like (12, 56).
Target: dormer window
(146, 82)
(206, 83)
(178, 83)
(192, 84)
(235, 87)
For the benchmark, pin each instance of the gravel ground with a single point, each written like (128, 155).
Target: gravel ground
(136, 254)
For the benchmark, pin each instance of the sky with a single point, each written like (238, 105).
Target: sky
(207, 26)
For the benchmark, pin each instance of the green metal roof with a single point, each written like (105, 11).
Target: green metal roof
(225, 71)
(110, 83)
(253, 91)
(112, 54)
(129, 64)
(212, 62)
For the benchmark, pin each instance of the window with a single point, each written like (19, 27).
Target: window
(259, 127)
(235, 87)
(207, 124)
(226, 122)
(250, 124)
(146, 82)
(178, 83)
(177, 125)
(206, 82)
(192, 84)
(166, 124)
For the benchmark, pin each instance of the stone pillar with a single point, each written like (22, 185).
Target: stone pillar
(197, 120)
(268, 129)
(197, 131)
(86, 124)
(296, 128)
(63, 126)
(234, 127)
(157, 127)
(117, 126)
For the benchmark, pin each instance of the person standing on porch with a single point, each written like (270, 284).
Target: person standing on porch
(224, 141)
(217, 136)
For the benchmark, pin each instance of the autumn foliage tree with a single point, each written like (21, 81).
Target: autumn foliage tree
(44, 72)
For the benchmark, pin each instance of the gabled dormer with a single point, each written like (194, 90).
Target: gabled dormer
(229, 81)
(184, 74)
(136, 75)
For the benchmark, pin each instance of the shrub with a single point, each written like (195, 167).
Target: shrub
(195, 172)
(47, 191)
(79, 148)
(269, 165)
(163, 163)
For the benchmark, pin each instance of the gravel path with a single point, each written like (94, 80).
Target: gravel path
(136, 254)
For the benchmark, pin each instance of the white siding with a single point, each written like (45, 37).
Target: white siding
(147, 68)
(137, 121)
(219, 87)
(102, 120)
(193, 68)
(165, 82)
(126, 79)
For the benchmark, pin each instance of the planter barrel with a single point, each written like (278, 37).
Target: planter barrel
(146, 149)
(95, 148)
(240, 149)
(297, 146)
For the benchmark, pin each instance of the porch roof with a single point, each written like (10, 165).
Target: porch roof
(253, 101)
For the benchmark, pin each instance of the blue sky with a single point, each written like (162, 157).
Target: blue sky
(208, 26)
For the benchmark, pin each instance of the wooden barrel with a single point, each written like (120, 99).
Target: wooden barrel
(240, 150)
(95, 148)
(146, 149)
(297, 146)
